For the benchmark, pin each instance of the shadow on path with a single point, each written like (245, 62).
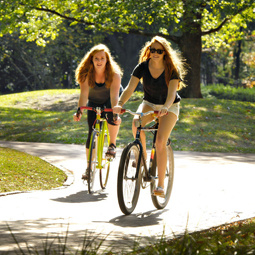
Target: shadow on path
(81, 197)
(139, 220)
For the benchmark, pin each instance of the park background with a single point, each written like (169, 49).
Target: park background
(42, 43)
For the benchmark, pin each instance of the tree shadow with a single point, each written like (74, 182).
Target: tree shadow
(53, 235)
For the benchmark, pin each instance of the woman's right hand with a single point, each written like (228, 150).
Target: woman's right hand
(77, 115)
(75, 118)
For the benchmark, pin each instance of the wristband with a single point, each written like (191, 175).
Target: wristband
(79, 112)
(120, 103)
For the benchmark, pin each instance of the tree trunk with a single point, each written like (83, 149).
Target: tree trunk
(237, 54)
(191, 47)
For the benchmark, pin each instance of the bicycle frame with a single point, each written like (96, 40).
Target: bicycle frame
(101, 128)
(153, 149)
(152, 129)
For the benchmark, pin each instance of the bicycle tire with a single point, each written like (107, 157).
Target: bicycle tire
(128, 187)
(92, 161)
(105, 166)
(157, 201)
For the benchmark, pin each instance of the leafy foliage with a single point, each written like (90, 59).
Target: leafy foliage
(233, 238)
(40, 20)
(24, 66)
(183, 22)
(227, 92)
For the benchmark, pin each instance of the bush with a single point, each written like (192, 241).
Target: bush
(220, 91)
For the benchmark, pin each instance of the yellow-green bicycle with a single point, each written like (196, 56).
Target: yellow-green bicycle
(99, 142)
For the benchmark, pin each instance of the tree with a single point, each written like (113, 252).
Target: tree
(188, 23)
(25, 66)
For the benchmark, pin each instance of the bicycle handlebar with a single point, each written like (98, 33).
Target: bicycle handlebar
(139, 113)
(94, 108)
(98, 110)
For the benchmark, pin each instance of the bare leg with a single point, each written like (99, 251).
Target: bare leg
(85, 175)
(166, 124)
(113, 132)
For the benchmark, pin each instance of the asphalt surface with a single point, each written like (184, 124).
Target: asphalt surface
(210, 189)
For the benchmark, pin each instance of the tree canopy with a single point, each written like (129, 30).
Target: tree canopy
(190, 24)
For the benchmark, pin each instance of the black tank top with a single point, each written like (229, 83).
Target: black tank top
(99, 94)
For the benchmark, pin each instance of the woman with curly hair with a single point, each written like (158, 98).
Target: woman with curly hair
(161, 70)
(99, 77)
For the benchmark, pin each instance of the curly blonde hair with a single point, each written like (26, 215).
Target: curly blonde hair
(173, 60)
(86, 68)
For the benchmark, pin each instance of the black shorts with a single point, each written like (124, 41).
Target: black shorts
(91, 117)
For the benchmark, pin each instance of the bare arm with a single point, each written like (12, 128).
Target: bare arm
(171, 94)
(84, 94)
(115, 90)
(127, 93)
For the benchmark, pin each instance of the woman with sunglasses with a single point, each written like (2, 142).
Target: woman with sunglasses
(161, 70)
(99, 77)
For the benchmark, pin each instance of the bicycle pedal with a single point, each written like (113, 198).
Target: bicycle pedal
(147, 178)
(109, 158)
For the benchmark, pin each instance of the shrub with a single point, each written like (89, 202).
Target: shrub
(227, 92)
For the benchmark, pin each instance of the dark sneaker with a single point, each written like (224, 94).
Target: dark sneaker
(111, 152)
(86, 175)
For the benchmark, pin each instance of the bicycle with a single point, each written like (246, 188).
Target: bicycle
(99, 142)
(134, 173)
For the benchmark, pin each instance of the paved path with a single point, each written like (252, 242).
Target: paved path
(210, 189)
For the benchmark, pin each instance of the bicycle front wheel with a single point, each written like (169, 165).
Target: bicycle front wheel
(105, 164)
(128, 186)
(92, 160)
(160, 202)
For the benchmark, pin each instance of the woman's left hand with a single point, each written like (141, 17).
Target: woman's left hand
(163, 111)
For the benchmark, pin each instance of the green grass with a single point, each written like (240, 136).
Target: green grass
(34, 97)
(206, 125)
(20, 171)
(235, 238)
(229, 92)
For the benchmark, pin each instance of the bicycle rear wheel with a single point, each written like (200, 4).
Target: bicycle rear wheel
(105, 167)
(160, 202)
(92, 160)
(128, 187)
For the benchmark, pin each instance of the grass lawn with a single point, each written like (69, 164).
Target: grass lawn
(20, 171)
(206, 125)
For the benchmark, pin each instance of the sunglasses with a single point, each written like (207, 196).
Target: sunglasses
(152, 50)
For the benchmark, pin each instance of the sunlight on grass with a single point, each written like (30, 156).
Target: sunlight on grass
(20, 171)
(12, 100)
(204, 124)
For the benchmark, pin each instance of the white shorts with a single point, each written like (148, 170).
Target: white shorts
(174, 108)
